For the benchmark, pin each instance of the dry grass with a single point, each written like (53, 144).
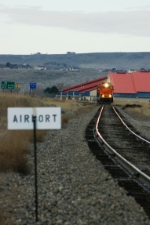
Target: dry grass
(13, 153)
(14, 148)
(139, 110)
(15, 144)
(65, 120)
(27, 135)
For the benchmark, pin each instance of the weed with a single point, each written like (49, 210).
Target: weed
(13, 153)
(65, 120)
(29, 135)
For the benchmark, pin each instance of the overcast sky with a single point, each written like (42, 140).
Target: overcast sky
(81, 26)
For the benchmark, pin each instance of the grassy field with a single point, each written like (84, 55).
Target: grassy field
(15, 146)
(139, 110)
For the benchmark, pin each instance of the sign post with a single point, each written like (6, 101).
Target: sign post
(34, 118)
(35, 164)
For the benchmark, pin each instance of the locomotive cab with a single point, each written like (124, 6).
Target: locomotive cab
(105, 92)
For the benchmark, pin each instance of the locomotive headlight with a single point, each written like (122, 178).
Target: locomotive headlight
(106, 85)
(110, 96)
(103, 96)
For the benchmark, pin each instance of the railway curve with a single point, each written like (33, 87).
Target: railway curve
(126, 143)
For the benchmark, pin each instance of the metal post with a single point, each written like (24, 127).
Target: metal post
(35, 163)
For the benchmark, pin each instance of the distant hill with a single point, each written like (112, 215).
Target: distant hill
(98, 61)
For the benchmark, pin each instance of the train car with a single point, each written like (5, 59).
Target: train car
(105, 92)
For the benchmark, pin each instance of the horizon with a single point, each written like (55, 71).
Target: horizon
(73, 53)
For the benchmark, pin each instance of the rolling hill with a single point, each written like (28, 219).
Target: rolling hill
(98, 61)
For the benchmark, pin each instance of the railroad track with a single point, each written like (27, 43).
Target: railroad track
(122, 152)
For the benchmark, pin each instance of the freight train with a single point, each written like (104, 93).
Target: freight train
(105, 92)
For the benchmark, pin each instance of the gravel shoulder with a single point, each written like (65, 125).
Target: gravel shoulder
(73, 187)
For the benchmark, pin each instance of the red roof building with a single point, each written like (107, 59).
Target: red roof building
(123, 83)
(136, 84)
(83, 87)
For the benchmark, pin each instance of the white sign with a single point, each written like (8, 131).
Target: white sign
(46, 118)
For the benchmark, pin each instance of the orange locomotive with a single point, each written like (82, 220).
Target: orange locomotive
(105, 92)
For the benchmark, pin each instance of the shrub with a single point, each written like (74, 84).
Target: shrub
(52, 90)
(29, 135)
(65, 120)
(13, 153)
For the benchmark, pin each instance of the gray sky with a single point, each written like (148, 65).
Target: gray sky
(81, 26)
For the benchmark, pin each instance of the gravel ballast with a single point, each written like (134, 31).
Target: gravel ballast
(73, 187)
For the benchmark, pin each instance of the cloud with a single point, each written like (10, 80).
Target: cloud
(126, 22)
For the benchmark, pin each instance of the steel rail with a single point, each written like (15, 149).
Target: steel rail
(136, 173)
(143, 139)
